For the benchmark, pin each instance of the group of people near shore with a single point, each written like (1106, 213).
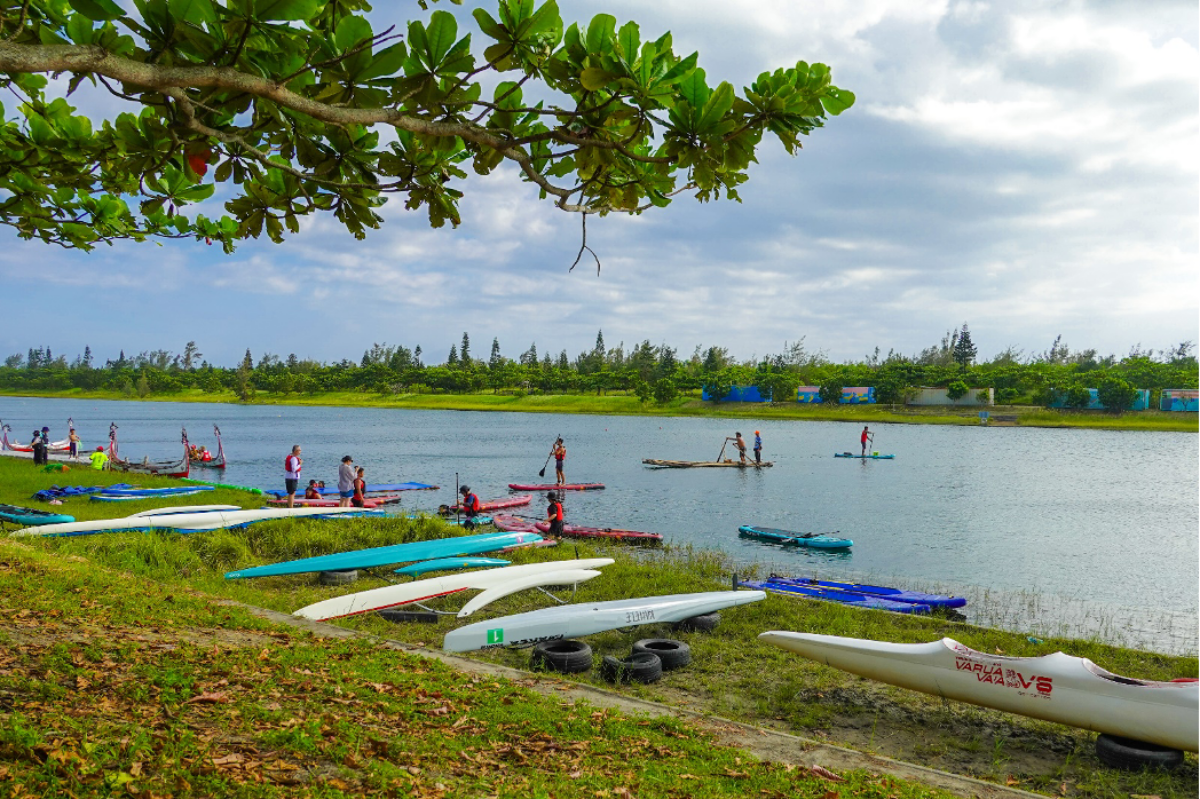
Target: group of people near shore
(40, 444)
(352, 481)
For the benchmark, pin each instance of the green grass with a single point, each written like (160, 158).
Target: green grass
(628, 405)
(126, 637)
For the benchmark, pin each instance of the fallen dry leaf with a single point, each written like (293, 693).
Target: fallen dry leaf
(825, 773)
(206, 698)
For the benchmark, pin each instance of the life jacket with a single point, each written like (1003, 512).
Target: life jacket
(556, 512)
(287, 464)
(471, 504)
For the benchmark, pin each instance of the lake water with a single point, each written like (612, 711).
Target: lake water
(1076, 532)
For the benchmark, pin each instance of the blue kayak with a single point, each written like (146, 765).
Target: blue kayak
(790, 539)
(31, 517)
(106, 497)
(450, 564)
(892, 594)
(833, 595)
(154, 492)
(396, 553)
(863, 457)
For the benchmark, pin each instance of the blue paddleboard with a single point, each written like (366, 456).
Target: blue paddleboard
(831, 595)
(891, 594)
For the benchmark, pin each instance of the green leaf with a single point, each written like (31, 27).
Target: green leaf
(441, 35)
(80, 29)
(283, 10)
(837, 100)
(681, 69)
(351, 31)
(545, 20)
(719, 103)
(197, 12)
(99, 10)
(488, 24)
(594, 78)
(694, 89)
(600, 33)
(630, 40)
(386, 62)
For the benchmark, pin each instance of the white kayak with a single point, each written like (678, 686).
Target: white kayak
(183, 509)
(186, 522)
(1056, 687)
(390, 596)
(561, 577)
(587, 618)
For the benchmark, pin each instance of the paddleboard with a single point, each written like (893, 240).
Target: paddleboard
(561, 577)
(552, 487)
(892, 594)
(513, 524)
(185, 522)
(1057, 687)
(138, 497)
(390, 596)
(32, 516)
(790, 539)
(377, 488)
(184, 509)
(841, 597)
(494, 504)
(588, 618)
(396, 553)
(155, 492)
(449, 564)
(864, 457)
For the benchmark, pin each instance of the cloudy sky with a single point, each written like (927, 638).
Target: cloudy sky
(1029, 168)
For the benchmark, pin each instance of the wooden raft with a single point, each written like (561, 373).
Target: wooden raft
(704, 464)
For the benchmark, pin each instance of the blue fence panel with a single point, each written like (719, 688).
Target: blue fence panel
(1179, 399)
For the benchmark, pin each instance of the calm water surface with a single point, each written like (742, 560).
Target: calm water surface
(1078, 532)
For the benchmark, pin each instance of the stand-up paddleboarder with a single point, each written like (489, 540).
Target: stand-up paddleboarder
(865, 437)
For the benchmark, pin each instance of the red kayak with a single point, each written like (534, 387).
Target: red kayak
(552, 487)
(498, 504)
(624, 536)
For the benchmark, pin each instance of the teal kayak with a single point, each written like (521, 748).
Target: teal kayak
(864, 457)
(449, 564)
(396, 553)
(29, 517)
(790, 539)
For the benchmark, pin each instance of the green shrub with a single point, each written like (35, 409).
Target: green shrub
(830, 392)
(957, 390)
(1078, 397)
(1116, 395)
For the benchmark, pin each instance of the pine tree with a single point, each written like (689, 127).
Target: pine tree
(964, 350)
(495, 359)
(465, 353)
(417, 356)
(453, 359)
(87, 357)
(247, 361)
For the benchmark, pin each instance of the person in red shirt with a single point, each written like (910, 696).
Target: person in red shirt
(554, 515)
(471, 506)
(560, 454)
(360, 487)
(865, 437)
(312, 492)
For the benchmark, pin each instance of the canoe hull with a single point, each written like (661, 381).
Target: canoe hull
(1056, 687)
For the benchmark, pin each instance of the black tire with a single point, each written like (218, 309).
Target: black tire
(339, 578)
(565, 657)
(1131, 755)
(643, 667)
(705, 624)
(404, 616)
(673, 654)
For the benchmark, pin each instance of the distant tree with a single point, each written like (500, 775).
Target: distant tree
(1078, 397)
(495, 359)
(665, 390)
(464, 353)
(1116, 395)
(87, 357)
(190, 356)
(830, 392)
(14, 361)
(452, 360)
(964, 350)
(292, 361)
(530, 356)
(956, 390)
(247, 360)
(718, 385)
(563, 361)
(983, 397)
(642, 390)
(417, 356)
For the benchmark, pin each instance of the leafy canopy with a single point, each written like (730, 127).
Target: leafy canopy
(285, 104)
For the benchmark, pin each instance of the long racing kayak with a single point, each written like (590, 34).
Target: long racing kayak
(831, 595)
(396, 553)
(450, 564)
(1056, 687)
(190, 522)
(893, 594)
(552, 487)
(588, 618)
(155, 492)
(790, 539)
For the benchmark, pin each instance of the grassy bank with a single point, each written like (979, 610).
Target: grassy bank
(121, 670)
(628, 405)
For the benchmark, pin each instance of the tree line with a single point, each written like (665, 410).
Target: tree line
(654, 373)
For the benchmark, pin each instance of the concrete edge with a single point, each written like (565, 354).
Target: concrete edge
(765, 744)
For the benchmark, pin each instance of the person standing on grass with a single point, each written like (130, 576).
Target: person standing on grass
(554, 515)
(73, 438)
(346, 475)
(865, 437)
(39, 449)
(560, 454)
(291, 474)
(358, 499)
(757, 447)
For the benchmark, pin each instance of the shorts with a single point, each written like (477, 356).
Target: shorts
(74, 450)
(291, 485)
(556, 528)
(558, 465)
(358, 502)
(345, 494)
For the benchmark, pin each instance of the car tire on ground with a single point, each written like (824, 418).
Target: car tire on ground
(565, 657)
(673, 654)
(1131, 755)
(705, 623)
(404, 616)
(643, 667)
(339, 577)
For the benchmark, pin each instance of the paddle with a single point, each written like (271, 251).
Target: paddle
(722, 455)
(542, 473)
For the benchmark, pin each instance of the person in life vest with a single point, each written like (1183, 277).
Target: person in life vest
(360, 488)
(471, 506)
(554, 515)
(312, 492)
(865, 437)
(99, 459)
(291, 474)
(757, 447)
(560, 454)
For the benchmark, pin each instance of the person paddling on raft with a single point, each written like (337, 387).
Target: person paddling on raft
(757, 447)
(471, 507)
(559, 451)
(865, 437)
(740, 443)
(554, 515)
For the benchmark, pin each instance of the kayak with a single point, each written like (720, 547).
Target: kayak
(450, 564)
(379, 488)
(893, 594)
(184, 509)
(864, 457)
(552, 487)
(496, 504)
(1057, 687)
(789, 539)
(155, 492)
(612, 534)
(221, 485)
(832, 595)
(30, 517)
(106, 497)
(588, 618)
(390, 596)
(190, 522)
(368, 502)
(63, 492)
(395, 553)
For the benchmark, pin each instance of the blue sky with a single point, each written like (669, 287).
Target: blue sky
(1029, 168)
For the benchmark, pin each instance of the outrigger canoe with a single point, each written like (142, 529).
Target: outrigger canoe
(788, 538)
(831, 595)
(893, 594)
(1057, 687)
(552, 487)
